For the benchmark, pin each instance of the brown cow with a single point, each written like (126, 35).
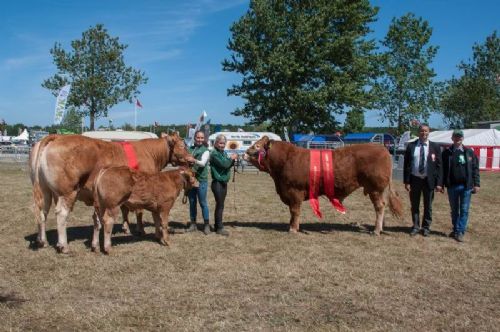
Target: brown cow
(363, 165)
(63, 169)
(155, 192)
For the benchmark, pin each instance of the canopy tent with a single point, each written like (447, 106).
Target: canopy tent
(472, 137)
(484, 142)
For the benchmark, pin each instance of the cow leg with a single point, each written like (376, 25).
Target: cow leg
(43, 200)
(294, 217)
(126, 223)
(108, 220)
(164, 228)
(157, 220)
(95, 235)
(379, 205)
(140, 225)
(63, 207)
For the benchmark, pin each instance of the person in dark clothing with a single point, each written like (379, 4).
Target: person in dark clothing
(200, 159)
(220, 169)
(461, 178)
(422, 175)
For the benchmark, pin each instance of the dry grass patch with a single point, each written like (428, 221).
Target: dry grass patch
(335, 277)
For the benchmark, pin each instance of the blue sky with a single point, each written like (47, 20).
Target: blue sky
(180, 46)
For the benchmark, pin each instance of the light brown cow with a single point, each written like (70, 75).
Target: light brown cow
(363, 165)
(157, 193)
(63, 169)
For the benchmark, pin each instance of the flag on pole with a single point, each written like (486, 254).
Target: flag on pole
(62, 97)
(202, 118)
(138, 103)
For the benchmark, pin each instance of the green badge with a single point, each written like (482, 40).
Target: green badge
(461, 159)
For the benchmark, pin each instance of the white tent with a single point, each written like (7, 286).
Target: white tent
(484, 142)
(472, 137)
(119, 135)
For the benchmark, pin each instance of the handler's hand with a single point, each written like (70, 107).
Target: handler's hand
(407, 186)
(234, 156)
(439, 189)
(475, 190)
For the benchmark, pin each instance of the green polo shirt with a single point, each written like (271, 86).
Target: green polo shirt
(201, 172)
(220, 166)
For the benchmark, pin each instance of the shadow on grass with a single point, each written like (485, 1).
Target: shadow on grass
(119, 237)
(322, 227)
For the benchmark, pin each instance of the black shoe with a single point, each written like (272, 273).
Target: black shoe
(426, 232)
(222, 231)
(459, 237)
(192, 227)
(206, 229)
(452, 235)
(414, 231)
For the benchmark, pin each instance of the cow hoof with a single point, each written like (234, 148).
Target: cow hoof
(163, 242)
(41, 244)
(293, 231)
(126, 230)
(375, 233)
(93, 249)
(62, 249)
(107, 251)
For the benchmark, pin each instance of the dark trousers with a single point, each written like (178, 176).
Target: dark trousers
(219, 189)
(419, 186)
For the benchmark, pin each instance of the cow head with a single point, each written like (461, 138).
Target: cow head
(189, 178)
(178, 153)
(256, 154)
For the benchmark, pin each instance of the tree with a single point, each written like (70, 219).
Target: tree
(354, 121)
(96, 70)
(475, 96)
(302, 62)
(406, 89)
(72, 121)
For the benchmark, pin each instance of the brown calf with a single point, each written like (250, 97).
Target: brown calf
(155, 192)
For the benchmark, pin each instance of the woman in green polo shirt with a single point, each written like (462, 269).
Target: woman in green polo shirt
(220, 168)
(201, 155)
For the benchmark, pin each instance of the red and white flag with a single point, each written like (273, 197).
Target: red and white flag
(138, 103)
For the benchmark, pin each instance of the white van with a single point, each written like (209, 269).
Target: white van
(239, 142)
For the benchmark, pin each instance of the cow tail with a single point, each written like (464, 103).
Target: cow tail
(96, 189)
(34, 166)
(395, 203)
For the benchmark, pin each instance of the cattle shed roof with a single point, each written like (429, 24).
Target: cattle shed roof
(119, 135)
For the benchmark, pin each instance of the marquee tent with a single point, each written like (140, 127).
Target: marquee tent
(484, 142)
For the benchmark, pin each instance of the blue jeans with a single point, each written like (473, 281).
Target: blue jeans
(199, 194)
(459, 198)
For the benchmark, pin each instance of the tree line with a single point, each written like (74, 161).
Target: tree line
(302, 65)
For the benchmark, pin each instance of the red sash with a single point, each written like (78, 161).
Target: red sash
(322, 159)
(314, 180)
(130, 154)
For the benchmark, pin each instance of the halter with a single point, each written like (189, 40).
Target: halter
(262, 155)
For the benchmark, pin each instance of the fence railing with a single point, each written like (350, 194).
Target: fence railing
(18, 153)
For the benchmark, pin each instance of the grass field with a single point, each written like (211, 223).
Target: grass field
(335, 277)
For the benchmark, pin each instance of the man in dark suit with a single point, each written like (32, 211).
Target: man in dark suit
(422, 175)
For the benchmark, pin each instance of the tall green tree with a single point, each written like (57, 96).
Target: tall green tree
(475, 96)
(97, 72)
(407, 89)
(354, 121)
(302, 62)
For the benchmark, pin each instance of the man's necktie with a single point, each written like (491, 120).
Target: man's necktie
(421, 163)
